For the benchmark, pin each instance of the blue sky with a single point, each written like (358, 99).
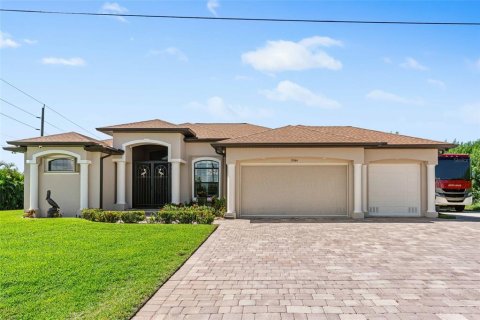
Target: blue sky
(417, 80)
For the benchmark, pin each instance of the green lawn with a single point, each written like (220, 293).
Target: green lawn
(72, 268)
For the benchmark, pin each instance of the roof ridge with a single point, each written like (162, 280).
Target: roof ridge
(135, 122)
(334, 134)
(397, 134)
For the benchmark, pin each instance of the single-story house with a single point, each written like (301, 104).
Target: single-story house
(292, 171)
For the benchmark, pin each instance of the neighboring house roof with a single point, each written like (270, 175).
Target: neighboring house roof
(67, 139)
(327, 136)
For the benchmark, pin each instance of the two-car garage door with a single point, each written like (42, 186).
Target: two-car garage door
(279, 190)
(294, 190)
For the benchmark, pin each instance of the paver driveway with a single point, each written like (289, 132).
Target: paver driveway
(375, 269)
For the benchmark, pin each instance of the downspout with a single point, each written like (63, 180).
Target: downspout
(101, 179)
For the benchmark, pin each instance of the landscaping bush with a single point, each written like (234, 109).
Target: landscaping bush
(186, 214)
(11, 187)
(132, 216)
(220, 206)
(100, 215)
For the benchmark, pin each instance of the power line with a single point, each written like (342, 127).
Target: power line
(3, 114)
(19, 108)
(50, 108)
(28, 112)
(126, 15)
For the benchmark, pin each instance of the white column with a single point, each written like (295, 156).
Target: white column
(84, 183)
(364, 188)
(175, 182)
(357, 191)
(121, 204)
(431, 212)
(231, 191)
(33, 205)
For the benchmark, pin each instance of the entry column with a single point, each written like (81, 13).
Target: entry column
(431, 212)
(175, 181)
(121, 203)
(84, 183)
(33, 205)
(230, 191)
(357, 191)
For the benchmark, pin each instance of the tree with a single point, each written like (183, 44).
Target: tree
(11, 187)
(473, 149)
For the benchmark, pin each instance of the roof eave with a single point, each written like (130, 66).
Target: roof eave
(296, 144)
(421, 146)
(17, 149)
(186, 131)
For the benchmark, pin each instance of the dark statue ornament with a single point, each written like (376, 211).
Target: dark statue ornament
(54, 211)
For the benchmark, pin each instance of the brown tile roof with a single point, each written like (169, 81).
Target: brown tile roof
(208, 131)
(334, 135)
(67, 138)
(148, 124)
(223, 130)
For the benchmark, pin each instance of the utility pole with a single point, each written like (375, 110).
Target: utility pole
(42, 125)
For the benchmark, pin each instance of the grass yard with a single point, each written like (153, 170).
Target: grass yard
(71, 268)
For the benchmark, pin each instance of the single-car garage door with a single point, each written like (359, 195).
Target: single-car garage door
(293, 190)
(394, 190)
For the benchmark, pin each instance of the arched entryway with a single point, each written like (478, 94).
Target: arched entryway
(151, 176)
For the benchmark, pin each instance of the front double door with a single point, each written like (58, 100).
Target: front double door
(151, 184)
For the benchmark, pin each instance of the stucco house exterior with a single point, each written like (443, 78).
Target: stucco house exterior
(292, 171)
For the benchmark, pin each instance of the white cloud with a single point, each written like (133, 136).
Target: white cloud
(114, 7)
(30, 41)
(219, 109)
(170, 51)
(282, 55)
(212, 6)
(437, 83)
(73, 62)
(380, 95)
(413, 64)
(290, 91)
(6, 41)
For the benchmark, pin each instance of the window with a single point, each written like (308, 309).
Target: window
(61, 165)
(206, 174)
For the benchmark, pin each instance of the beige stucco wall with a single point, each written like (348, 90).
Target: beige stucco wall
(194, 151)
(65, 187)
(423, 157)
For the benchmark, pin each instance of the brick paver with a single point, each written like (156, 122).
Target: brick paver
(332, 269)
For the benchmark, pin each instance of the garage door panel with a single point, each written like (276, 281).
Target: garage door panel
(394, 189)
(294, 190)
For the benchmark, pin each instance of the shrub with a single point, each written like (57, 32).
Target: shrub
(100, 215)
(187, 214)
(90, 214)
(168, 215)
(11, 187)
(132, 216)
(220, 206)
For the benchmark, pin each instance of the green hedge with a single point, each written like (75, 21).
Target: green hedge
(184, 214)
(100, 215)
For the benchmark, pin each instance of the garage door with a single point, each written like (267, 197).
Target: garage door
(394, 190)
(288, 191)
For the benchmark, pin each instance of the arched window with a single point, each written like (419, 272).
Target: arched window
(206, 175)
(61, 165)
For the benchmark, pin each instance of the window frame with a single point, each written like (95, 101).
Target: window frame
(53, 158)
(194, 161)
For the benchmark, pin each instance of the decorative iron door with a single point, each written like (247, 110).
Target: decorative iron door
(151, 184)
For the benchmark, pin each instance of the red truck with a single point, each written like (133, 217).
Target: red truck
(453, 183)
